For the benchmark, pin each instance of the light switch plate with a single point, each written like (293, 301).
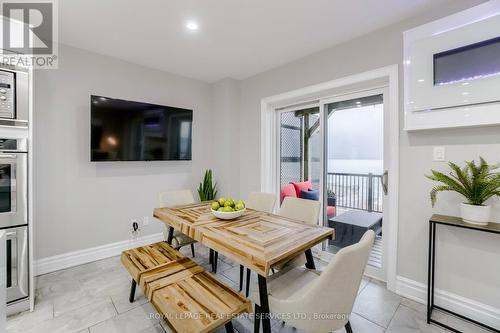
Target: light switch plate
(439, 154)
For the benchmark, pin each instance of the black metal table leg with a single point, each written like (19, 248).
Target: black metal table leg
(211, 257)
(214, 263)
(256, 323)
(132, 291)
(229, 327)
(429, 274)
(264, 305)
(241, 277)
(247, 287)
(310, 260)
(170, 235)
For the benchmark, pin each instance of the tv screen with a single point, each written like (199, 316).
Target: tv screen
(134, 131)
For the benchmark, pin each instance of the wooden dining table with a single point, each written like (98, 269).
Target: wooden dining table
(256, 240)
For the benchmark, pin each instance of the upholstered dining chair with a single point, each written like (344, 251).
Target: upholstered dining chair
(176, 198)
(305, 211)
(263, 202)
(310, 292)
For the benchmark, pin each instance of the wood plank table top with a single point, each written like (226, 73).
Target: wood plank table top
(256, 240)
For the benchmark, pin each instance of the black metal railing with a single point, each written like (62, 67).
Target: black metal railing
(357, 191)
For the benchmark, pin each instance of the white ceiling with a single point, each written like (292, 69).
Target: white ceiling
(236, 38)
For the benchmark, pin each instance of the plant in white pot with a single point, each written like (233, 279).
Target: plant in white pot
(477, 183)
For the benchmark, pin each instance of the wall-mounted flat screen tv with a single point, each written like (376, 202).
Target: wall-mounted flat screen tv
(133, 131)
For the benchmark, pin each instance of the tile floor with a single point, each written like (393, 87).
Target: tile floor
(93, 298)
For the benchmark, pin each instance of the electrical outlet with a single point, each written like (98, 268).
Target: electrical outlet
(145, 221)
(135, 228)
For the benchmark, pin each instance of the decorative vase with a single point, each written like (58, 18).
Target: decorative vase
(478, 215)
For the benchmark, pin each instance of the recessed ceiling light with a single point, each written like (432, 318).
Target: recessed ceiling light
(421, 80)
(192, 26)
(358, 102)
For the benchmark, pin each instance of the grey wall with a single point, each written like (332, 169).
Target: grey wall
(225, 137)
(468, 262)
(79, 204)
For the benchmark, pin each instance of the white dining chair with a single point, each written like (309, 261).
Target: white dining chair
(305, 211)
(263, 202)
(176, 198)
(296, 290)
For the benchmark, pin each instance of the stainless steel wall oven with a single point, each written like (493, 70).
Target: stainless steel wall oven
(14, 215)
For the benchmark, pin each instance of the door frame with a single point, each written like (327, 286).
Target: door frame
(269, 147)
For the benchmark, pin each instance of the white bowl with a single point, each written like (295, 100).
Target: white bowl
(228, 215)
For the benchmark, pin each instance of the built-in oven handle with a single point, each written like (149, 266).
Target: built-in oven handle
(7, 155)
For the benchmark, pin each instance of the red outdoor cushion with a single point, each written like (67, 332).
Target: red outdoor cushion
(330, 211)
(302, 186)
(287, 190)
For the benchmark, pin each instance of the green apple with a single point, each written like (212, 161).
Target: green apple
(241, 202)
(215, 205)
(221, 209)
(239, 206)
(228, 209)
(222, 201)
(229, 203)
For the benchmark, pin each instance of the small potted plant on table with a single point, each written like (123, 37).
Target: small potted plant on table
(331, 198)
(477, 183)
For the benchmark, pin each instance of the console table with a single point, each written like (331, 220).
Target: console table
(458, 223)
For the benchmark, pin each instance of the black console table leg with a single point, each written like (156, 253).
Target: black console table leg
(429, 268)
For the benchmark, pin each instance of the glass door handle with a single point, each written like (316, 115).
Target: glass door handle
(385, 181)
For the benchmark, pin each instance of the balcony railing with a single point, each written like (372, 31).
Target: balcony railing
(357, 191)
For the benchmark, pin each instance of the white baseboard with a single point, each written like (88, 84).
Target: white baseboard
(475, 310)
(70, 259)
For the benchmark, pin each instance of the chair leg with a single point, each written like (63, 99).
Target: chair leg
(248, 282)
(229, 327)
(211, 256)
(192, 249)
(348, 327)
(256, 320)
(132, 291)
(214, 263)
(241, 277)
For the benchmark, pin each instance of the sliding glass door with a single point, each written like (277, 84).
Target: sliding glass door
(334, 150)
(354, 172)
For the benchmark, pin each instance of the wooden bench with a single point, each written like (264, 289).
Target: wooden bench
(187, 297)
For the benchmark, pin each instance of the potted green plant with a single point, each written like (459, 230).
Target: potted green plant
(476, 182)
(331, 198)
(207, 190)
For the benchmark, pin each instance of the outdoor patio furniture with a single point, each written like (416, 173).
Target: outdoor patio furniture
(294, 190)
(350, 226)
